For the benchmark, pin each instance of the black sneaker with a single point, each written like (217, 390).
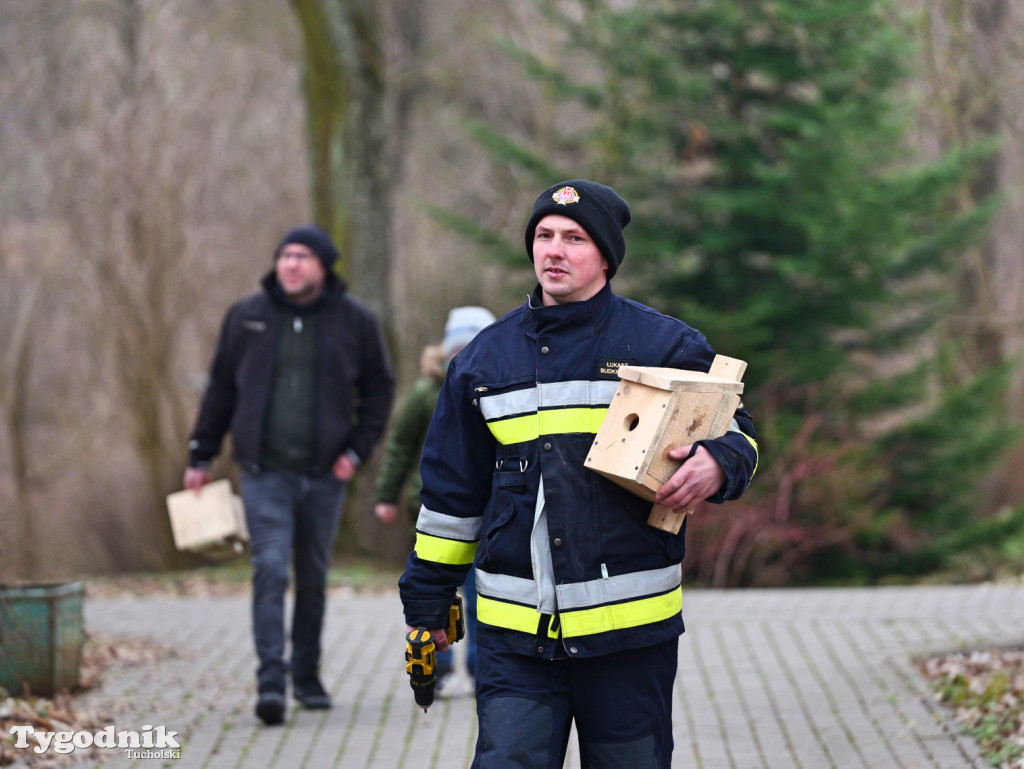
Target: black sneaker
(270, 706)
(311, 693)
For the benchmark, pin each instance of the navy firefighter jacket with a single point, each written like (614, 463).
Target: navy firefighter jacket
(561, 553)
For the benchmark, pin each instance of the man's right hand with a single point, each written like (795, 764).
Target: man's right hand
(195, 478)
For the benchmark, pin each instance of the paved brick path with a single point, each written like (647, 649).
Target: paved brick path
(769, 679)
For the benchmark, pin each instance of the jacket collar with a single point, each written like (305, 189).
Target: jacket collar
(571, 316)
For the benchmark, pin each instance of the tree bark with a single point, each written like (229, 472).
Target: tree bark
(346, 93)
(971, 52)
(348, 125)
(14, 401)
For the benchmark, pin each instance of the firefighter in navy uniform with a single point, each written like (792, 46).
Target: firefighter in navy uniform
(580, 604)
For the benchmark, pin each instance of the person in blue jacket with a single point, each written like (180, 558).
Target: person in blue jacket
(579, 604)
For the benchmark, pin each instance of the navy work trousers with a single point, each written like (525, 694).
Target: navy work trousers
(290, 514)
(621, 703)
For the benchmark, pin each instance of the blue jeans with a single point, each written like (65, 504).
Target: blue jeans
(289, 514)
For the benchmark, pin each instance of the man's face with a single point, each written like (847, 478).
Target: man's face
(299, 272)
(569, 266)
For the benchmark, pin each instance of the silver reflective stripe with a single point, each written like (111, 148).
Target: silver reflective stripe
(506, 588)
(509, 404)
(577, 393)
(580, 392)
(449, 526)
(582, 594)
(734, 426)
(540, 556)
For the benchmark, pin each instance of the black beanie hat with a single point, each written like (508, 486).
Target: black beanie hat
(316, 239)
(598, 209)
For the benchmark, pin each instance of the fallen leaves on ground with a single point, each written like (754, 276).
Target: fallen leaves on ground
(984, 689)
(65, 712)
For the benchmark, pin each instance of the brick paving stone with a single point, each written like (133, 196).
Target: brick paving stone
(768, 679)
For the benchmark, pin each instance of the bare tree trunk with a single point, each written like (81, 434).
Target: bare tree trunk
(968, 44)
(14, 392)
(347, 113)
(349, 152)
(369, 175)
(972, 52)
(327, 104)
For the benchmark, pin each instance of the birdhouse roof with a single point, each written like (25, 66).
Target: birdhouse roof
(675, 379)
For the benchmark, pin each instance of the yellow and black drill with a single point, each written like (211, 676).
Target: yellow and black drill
(421, 654)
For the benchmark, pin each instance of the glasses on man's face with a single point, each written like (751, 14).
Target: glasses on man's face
(299, 256)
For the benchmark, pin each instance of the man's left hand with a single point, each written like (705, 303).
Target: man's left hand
(344, 468)
(699, 477)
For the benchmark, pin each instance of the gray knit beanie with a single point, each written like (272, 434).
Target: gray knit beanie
(463, 324)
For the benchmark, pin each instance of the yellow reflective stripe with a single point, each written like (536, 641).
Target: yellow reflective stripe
(440, 550)
(622, 615)
(734, 427)
(757, 453)
(515, 430)
(601, 619)
(560, 421)
(507, 615)
(552, 422)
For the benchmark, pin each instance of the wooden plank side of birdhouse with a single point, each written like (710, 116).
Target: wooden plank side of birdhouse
(713, 422)
(697, 416)
(636, 420)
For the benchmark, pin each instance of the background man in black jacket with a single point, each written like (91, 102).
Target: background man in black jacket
(302, 379)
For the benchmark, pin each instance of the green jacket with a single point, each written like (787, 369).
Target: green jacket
(401, 464)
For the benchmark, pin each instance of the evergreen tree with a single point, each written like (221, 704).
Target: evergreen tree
(777, 208)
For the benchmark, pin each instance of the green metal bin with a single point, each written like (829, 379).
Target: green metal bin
(41, 637)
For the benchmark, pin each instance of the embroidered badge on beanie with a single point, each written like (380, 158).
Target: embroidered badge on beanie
(565, 196)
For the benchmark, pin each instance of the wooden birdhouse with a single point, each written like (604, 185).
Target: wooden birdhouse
(655, 410)
(213, 517)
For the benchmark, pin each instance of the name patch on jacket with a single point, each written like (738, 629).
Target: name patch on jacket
(254, 325)
(608, 368)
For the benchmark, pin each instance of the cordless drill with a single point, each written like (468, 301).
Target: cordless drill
(421, 654)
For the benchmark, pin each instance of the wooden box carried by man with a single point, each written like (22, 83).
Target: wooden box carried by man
(655, 410)
(212, 518)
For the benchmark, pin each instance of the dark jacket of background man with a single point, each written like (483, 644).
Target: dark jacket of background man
(351, 358)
